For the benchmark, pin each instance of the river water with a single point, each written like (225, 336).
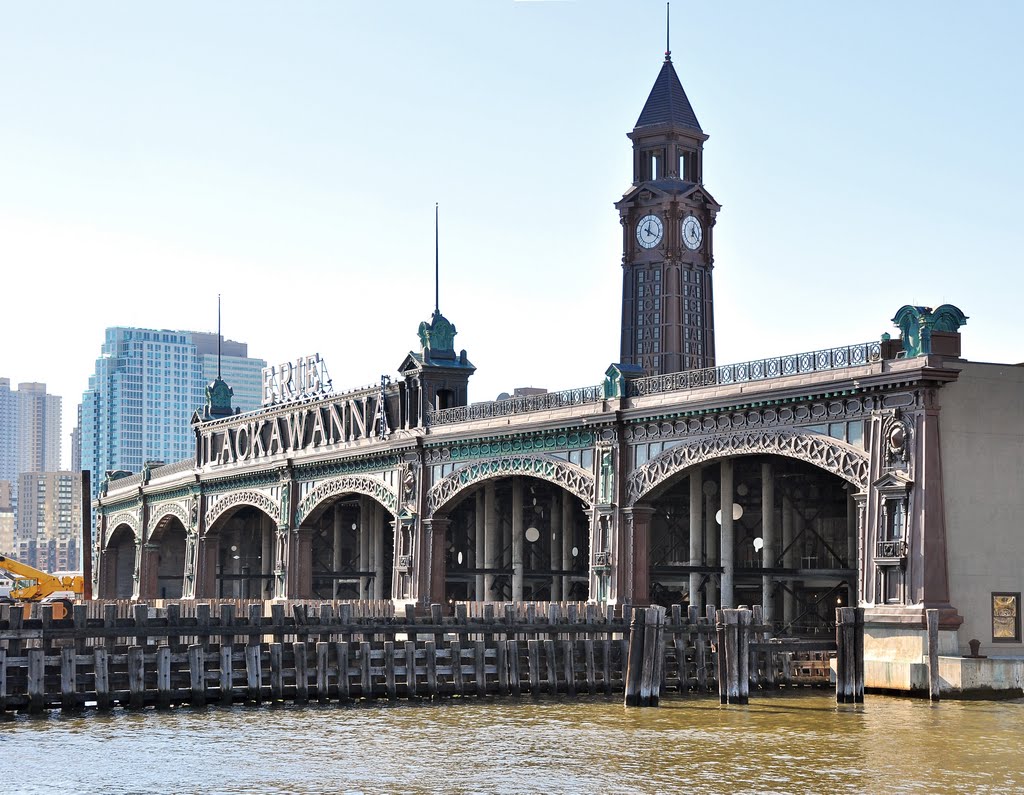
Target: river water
(797, 742)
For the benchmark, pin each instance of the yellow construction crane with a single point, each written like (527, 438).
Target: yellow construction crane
(33, 585)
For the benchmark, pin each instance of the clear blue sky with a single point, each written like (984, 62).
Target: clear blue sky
(288, 156)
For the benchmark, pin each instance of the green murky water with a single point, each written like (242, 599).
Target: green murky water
(800, 742)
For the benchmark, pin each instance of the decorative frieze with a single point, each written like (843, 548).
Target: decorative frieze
(489, 448)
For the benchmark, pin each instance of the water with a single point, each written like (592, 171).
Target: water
(799, 742)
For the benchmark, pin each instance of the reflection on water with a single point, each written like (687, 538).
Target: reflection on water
(800, 742)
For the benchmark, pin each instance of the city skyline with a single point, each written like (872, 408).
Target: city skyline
(157, 160)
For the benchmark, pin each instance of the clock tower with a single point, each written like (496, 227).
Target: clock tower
(667, 220)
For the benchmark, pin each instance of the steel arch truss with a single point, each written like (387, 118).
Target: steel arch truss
(824, 452)
(254, 499)
(349, 484)
(163, 512)
(129, 518)
(574, 479)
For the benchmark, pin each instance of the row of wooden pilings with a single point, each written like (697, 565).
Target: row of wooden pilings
(135, 655)
(739, 641)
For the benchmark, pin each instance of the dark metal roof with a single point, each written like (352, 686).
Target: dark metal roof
(667, 103)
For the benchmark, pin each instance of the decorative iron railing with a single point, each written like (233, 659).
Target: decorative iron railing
(759, 369)
(891, 550)
(517, 405)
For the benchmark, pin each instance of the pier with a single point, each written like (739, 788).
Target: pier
(137, 656)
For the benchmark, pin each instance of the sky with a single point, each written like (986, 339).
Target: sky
(288, 156)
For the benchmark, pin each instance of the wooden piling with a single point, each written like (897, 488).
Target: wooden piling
(36, 680)
(322, 682)
(136, 678)
(533, 660)
(634, 659)
(276, 671)
(197, 674)
(101, 678)
(301, 672)
(344, 666)
(849, 655)
(514, 682)
(410, 668)
(723, 656)
(932, 624)
(744, 626)
(253, 674)
(430, 648)
(365, 678)
(389, 670)
(3, 680)
(590, 665)
(163, 677)
(858, 695)
(551, 660)
(68, 680)
(501, 664)
(733, 656)
(480, 667)
(455, 655)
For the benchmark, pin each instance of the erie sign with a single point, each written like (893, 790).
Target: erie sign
(306, 377)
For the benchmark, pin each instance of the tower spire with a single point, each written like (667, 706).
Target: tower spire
(668, 47)
(218, 335)
(437, 267)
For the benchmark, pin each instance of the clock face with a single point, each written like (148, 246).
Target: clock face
(649, 230)
(693, 234)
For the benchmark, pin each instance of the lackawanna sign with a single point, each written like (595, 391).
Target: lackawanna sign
(249, 438)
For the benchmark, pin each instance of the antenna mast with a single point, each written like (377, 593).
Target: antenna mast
(668, 47)
(218, 336)
(437, 289)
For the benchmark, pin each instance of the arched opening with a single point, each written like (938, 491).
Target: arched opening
(353, 549)
(170, 539)
(791, 548)
(245, 554)
(119, 561)
(517, 538)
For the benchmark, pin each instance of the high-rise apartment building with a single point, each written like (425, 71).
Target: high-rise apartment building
(146, 386)
(49, 519)
(7, 546)
(8, 432)
(30, 431)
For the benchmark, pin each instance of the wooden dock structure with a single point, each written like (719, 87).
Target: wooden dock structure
(136, 656)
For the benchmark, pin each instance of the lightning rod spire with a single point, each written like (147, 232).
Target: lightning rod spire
(437, 267)
(218, 335)
(668, 47)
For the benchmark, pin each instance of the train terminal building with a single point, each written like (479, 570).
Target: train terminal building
(884, 473)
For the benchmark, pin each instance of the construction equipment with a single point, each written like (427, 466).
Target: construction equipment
(33, 585)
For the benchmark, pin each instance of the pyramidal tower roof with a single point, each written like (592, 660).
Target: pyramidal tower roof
(667, 103)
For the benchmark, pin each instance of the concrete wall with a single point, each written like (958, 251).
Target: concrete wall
(982, 428)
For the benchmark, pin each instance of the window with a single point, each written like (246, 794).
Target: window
(893, 518)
